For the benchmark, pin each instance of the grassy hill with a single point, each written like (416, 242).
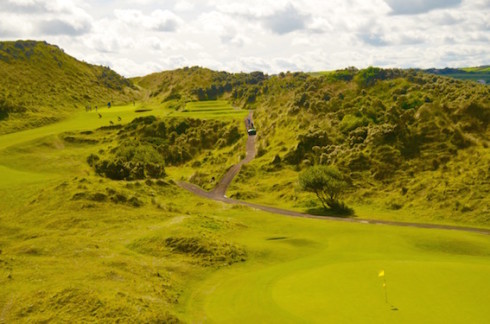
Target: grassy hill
(177, 88)
(406, 140)
(40, 84)
(76, 245)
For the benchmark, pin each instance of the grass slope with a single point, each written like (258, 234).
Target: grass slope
(413, 146)
(78, 247)
(40, 84)
(409, 143)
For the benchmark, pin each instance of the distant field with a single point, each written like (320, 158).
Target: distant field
(477, 69)
(475, 76)
(218, 109)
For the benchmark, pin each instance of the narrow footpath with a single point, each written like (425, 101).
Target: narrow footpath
(218, 194)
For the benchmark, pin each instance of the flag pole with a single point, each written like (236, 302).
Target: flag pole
(386, 290)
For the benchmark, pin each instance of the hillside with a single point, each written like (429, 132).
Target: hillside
(407, 141)
(40, 84)
(176, 88)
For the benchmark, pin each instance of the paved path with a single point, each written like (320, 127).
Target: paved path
(218, 194)
(224, 183)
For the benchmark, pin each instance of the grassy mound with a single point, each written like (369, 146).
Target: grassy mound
(206, 250)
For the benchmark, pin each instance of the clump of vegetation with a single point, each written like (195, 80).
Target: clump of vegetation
(194, 83)
(328, 184)
(207, 250)
(130, 161)
(147, 144)
(211, 251)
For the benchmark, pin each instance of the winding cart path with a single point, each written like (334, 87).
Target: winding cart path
(218, 194)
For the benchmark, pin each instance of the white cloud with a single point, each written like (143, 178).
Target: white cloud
(159, 20)
(159, 44)
(286, 20)
(45, 17)
(254, 64)
(165, 20)
(140, 36)
(253, 8)
(183, 5)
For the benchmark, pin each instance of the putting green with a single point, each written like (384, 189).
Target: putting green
(331, 276)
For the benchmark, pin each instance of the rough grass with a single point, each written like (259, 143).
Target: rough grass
(441, 179)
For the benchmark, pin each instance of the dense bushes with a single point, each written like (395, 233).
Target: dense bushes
(381, 122)
(147, 144)
(130, 161)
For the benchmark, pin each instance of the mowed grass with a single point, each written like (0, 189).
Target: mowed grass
(313, 271)
(85, 121)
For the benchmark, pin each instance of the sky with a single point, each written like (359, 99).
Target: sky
(138, 37)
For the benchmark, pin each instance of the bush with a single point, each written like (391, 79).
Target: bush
(369, 76)
(130, 162)
(351, 122)
(327, 183)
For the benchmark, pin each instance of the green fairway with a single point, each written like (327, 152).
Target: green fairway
(82, 121)
(315, 271)
(90, 120)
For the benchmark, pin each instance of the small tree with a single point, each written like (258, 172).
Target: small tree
(327, 183)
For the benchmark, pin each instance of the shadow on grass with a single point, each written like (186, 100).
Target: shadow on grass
(337, 212)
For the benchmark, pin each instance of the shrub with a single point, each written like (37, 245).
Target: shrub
(369, 76)
(327, 183)
(130, 162)
(351, 122)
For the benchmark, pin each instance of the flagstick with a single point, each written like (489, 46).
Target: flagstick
(386, 291)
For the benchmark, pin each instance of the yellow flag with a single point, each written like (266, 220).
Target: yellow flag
(381, 273)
